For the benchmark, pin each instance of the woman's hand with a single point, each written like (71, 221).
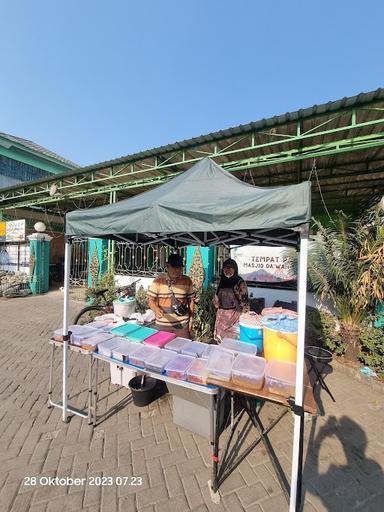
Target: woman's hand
(215, 301)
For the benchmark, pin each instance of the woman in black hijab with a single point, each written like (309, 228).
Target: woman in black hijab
(231, 300)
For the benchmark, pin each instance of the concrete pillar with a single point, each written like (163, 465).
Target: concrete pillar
(39, 249)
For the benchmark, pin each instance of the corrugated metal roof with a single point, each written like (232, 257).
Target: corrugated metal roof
(38, 149)
(315, 110)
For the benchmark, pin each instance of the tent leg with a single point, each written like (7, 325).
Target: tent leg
(297, 455)
(67, 265)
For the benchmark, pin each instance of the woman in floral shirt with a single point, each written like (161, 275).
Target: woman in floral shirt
(231, 300)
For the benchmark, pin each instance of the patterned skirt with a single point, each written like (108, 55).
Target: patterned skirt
(226, 319)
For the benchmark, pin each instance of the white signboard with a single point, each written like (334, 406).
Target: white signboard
(15, 231)
(263, 264)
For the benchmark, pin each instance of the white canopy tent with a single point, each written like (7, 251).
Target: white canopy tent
(207, 206)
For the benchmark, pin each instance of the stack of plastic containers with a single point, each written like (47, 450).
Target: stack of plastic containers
(220, 364)
(238, 347)
(178, 344)
(280, 378)
(140, 356)
(159, 339)
(91, 342)
(197, 371)
(248, 371)
(77, 330)
(158, 361)
(123, 349)
(194, 349)
(105, 348)
(178, 366)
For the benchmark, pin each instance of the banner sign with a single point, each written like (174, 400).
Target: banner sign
(15, 231)
(263, 264)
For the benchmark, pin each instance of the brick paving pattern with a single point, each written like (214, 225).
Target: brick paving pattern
(344, 446)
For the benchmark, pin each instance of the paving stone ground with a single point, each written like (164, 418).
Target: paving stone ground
(344, 445)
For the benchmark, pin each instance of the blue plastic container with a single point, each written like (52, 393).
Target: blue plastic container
(252, 334)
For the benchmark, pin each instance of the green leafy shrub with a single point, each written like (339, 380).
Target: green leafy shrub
(205, 315)
(321, 330)
(372, 349)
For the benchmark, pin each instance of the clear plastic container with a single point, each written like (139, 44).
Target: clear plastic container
(194, 349)
(140, 356)
(248, 371)
(280, 377)
(220, 363)
(159, 339)
(105, 348)
(99, 324)
(75, 329)
(157, 362)
(92, 342)
(238, 347)
(123, 349)
(177, 344)
(178, 366)
(197, 372)
(78, 337)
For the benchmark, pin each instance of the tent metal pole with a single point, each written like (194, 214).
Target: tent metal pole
(67, 265)
(295, 496)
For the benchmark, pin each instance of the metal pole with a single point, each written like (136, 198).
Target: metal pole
(295, 496)
(67, 266)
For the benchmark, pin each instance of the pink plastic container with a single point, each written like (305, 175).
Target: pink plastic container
(159, 339)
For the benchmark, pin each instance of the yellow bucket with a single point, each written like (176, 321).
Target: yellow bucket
(279, 345)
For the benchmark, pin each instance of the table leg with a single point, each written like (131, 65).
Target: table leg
(51, 376)
(90, 364)
(215, 454)
(95, 393)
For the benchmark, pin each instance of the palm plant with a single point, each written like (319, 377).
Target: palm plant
(346, 267)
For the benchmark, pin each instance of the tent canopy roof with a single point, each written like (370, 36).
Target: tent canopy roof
(205, 205)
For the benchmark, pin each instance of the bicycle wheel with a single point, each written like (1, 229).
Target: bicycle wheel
(88, 314)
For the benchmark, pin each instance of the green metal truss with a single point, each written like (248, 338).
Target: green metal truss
(321, 140)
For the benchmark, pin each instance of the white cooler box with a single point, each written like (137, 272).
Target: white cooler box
(121, 375)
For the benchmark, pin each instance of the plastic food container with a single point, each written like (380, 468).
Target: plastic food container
(177, 344)
(280, 377)
(133, 331)
(159, 339)
(157, 362)
(124, 348)
(99, 324)
(79, 336)
(178, 366)
(92, 342)
(238, 346)
(197, 372)
(194, 349)
(105, 348)
(140, 356)
(220, 363)
(248, 371)
(75, 329)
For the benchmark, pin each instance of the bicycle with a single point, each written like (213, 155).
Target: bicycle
(88, 314)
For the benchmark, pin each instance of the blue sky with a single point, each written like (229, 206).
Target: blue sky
(95, 80)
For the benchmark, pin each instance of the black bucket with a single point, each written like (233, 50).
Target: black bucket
(144, 394)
